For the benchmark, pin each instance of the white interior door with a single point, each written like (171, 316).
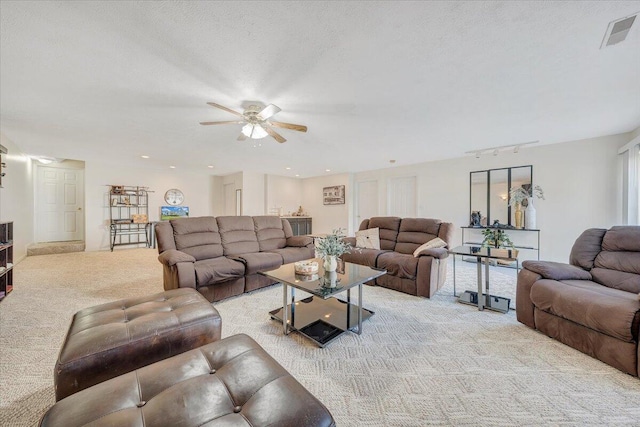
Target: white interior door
(59, 204)
(401, 195)
(366, 201)
(230, 199)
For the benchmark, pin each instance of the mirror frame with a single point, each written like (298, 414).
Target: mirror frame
(488, 198)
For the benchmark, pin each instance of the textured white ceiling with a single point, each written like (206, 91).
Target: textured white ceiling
(373, 81)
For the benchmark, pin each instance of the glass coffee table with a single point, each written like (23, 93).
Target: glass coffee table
(322, 317)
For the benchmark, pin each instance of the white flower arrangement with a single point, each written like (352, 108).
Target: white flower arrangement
(333, 244)
(518, 194)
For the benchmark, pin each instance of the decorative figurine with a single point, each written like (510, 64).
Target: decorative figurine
(476, 219)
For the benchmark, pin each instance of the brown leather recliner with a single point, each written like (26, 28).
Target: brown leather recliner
(593, 303)
(221, 257)
(399, 238)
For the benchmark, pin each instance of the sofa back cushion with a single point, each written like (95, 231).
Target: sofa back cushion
(618, 263)
(198, 237)
(415, 232)
(388, 225)
(270, 233)
(238, 235)
(586, 248)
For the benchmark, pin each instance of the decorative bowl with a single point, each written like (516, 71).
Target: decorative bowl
(306, 267)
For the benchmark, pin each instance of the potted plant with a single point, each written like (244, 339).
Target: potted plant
(496, 238)
(331, 247)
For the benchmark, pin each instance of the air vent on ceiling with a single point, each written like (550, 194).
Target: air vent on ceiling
(617, 30)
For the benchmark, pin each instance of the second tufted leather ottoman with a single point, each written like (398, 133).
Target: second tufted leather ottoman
(231, 382)
(118, 337)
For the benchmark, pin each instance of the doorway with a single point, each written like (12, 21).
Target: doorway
(366, 201)
(401, 194)
(59, 204)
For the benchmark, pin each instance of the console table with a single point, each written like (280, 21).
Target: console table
(491, 302)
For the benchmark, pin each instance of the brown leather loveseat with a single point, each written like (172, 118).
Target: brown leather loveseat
(593, 303)
(399, 238)
(221, 257)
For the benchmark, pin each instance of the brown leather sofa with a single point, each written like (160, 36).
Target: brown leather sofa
(230, 382)
(221, 257)
(591, 304)
(399, 238)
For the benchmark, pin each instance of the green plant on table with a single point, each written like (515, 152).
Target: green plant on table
(333, 244)
(496, 238)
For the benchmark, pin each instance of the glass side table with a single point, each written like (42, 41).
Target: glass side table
(482, 254)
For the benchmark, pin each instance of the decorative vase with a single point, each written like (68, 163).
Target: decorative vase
(330, 279)
(530, 215)
(518, 215)
(330, 263)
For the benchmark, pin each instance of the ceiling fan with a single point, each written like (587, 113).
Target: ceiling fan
(256, 122)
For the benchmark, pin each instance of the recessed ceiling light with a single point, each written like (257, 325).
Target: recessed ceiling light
(327, 170)
(172, 167)
(145, 157)
(210, 166)
(297, 175)
(288, 168)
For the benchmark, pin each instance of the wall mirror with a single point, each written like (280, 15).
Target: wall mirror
(489, 194)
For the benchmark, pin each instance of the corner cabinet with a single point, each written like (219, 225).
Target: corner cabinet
(300, 225)
(6, 259)
(128, 215)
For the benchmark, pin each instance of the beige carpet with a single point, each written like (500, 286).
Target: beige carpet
(419, 362)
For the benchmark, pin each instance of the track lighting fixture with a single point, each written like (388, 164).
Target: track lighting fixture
(496, 150)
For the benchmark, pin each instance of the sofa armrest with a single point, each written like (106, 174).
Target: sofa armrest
(439, 253)
(299, 241)
(556, 270)
(350, 240)
(173, 256)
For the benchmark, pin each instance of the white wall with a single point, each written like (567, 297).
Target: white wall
(580, 180)
(253, 193)
(326, 218)
(196, 188)
(16, 198)
(283, 193)
(217, 196)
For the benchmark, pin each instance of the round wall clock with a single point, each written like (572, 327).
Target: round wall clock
(174, 196)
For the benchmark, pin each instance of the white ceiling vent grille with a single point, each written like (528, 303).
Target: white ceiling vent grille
(617, 31)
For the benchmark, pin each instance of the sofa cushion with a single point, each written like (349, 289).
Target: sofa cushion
(260, 261)
(198, 237)
(368, 239)
(618, 264)
(404, 266)
(216, 270)
(366, 257)
(388, 226)
(622, 238)
(413, 232)
(431, 244)
(270, 232)
(587, 246)
(589, 304)
(290, 255)
(238, 235)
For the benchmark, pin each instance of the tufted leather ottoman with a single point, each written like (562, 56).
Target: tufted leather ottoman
(231, 382)
(118, 337)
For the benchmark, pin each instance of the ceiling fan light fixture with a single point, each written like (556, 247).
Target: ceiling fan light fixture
(254, 131)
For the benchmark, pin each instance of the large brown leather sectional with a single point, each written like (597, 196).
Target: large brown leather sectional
(159, 361)
(591, 304)
(399, 238)
(221, 256)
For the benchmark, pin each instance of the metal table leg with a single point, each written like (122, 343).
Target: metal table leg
(480, 302)
(486, 281)
(360, 309)
(285, 309)
(454, 275)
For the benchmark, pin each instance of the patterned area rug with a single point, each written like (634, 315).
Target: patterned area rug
(418, 362)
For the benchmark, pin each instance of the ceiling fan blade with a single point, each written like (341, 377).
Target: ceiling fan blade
(268, 111)
(222, 107)
(291, 126)
(274, 134)
(242, 137)
(228, 122)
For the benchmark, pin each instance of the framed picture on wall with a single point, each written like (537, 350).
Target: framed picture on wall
(173, 212)
(333, 195)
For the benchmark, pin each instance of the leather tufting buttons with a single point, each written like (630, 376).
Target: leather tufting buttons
(237, 409)
(213, 371)
(141, 404)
